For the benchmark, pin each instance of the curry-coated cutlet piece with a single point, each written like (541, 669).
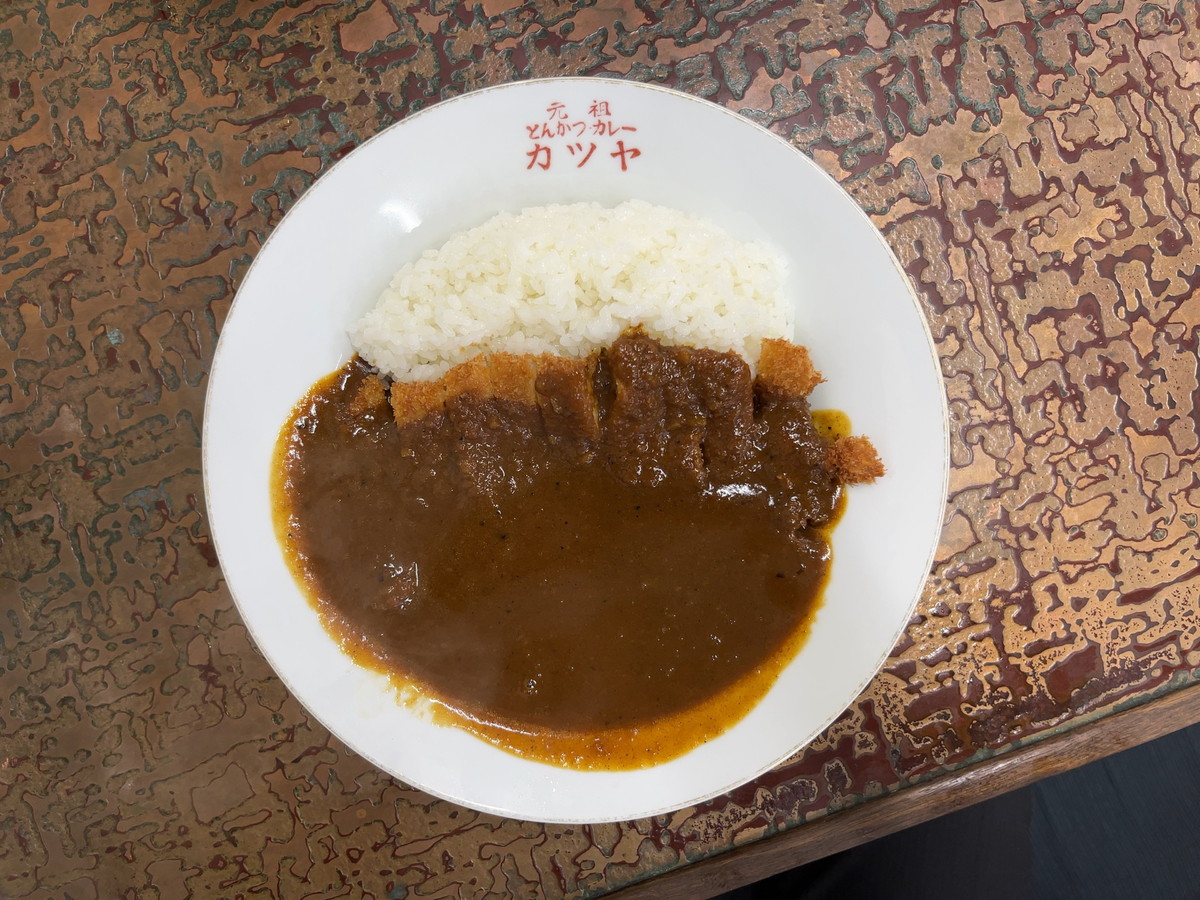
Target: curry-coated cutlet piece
(469, 401)
(472, 378)
(413, 401)
(634, 433)
(503, 376)
(559, 387)
(673, 409)
(687, 417)
(655, 425)
(567, 403)
(513, 377)
(370, 396)
(482, 392)
(787, 368)
(854, 460)
(724, 387)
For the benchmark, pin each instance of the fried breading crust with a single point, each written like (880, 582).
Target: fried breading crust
(787, 367)
(413, 401)
(561, 388)
(854, 460)
(370, 396)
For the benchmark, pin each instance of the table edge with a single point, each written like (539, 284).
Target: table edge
(925, 801)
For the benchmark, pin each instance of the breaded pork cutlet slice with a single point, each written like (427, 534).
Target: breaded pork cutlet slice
(567, 402)
(655, 426)
(462, 410)
(480, 394)
(787, 368)
(687, 421)
(370, 396)
(557, 388)
(501, 376)
(725, 389)
(513, 377)
(413, 401)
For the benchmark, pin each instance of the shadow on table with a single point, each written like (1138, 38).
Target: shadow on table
(1123, 827)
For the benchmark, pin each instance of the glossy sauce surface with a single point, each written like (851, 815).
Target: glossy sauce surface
(603, 595)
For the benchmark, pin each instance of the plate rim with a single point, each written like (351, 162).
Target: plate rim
(934, 359)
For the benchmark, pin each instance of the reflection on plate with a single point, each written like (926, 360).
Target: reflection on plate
(564, 140)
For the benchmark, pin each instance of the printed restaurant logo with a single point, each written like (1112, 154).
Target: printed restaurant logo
(563, 138)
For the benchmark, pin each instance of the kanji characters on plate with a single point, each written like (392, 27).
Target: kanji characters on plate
(561, 138)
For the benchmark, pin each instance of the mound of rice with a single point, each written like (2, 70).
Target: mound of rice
(570, 278)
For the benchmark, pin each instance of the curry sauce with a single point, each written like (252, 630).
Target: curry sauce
(598, 563)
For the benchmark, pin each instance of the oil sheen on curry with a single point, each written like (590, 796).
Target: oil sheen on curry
(597, 563)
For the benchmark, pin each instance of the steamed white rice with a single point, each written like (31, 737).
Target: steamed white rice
(570, 278)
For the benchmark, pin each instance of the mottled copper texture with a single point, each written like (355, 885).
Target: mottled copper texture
(1035, 165)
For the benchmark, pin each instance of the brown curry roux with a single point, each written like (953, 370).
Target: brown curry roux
(599, 563)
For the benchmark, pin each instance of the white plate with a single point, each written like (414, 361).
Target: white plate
(454, 165)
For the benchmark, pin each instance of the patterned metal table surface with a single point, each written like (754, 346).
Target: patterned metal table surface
(1035, 165)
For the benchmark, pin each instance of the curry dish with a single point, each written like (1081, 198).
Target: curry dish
(600, 563)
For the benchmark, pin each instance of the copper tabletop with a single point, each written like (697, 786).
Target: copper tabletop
(1036, 167)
